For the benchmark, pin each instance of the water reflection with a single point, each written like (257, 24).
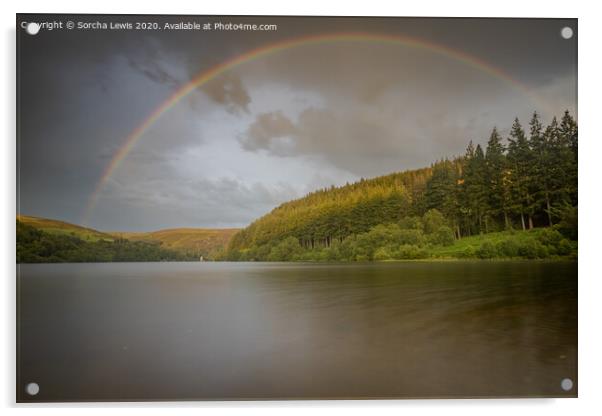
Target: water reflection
(211, 330)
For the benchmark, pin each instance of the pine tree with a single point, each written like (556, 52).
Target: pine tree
(520, 160)
(568, 137)
(466, 200)
(533, 177)
(476, 189)
(540, 182)
(442, 193)
(496, 171)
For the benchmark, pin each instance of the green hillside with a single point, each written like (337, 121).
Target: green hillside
(337, 212)
(523, 182)
(37, 246)
(196, 242)
(64, 228)
(47, 240)
(514, 197)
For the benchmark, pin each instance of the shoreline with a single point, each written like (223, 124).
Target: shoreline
(566, 259)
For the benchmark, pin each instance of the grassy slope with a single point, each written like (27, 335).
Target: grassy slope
(475, 241)
(338, 211)
(190, 240)
(60, 227)
(194, 240)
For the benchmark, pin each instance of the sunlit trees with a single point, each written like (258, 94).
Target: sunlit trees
(288, 249)
(442, 192)
(527, 179)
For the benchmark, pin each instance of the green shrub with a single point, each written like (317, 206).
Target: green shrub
(333, 252)
(347, 249)
(528, 248)
(508, 247)
(323, 255)
(260, 253)
(382, 253)
(444, 236)
(468, 253)
(310, 255)
(411, 223)
(533, 249)
(433, 220)
(543, 251)
(549, 237)
(410, 252)
(564, 247)
(287, 250)
(487, 250)
(568, 223)
(365, 244)
(410, 236)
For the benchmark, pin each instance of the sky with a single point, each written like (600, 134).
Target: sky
(270, 129)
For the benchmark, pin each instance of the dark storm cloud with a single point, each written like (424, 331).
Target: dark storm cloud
(151, 68)
(385, 108)
(150, 60)
(344, 111)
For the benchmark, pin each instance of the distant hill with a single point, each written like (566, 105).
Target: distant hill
(193, 242)
(37, 246)
(64, 228)
(204, 242)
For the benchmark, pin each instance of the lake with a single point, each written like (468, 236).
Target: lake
(192, 331)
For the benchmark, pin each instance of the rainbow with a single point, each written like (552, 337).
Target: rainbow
(273, 48)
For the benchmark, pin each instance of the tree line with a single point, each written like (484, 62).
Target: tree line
(527, 181)
(37, 246)
(420, 238)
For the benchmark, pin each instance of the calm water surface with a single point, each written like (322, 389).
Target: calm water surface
(166, 331)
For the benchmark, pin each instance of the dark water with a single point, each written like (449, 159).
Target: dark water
(166, 331)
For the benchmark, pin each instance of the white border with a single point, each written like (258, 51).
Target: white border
(590, 278)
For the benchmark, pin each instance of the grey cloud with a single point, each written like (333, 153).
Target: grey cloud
(323, 113)
(151, 68)
(181, 202)
(228, 90)
(382, 108)
(353, 140)
(265, 131)
(171, 68)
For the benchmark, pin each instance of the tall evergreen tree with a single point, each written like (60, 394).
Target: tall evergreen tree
(534, 177)
(542, 166)
(476, 189)
(520, 160)
(568, 137)
(466, 200)
(442, 193)
(496, 171)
